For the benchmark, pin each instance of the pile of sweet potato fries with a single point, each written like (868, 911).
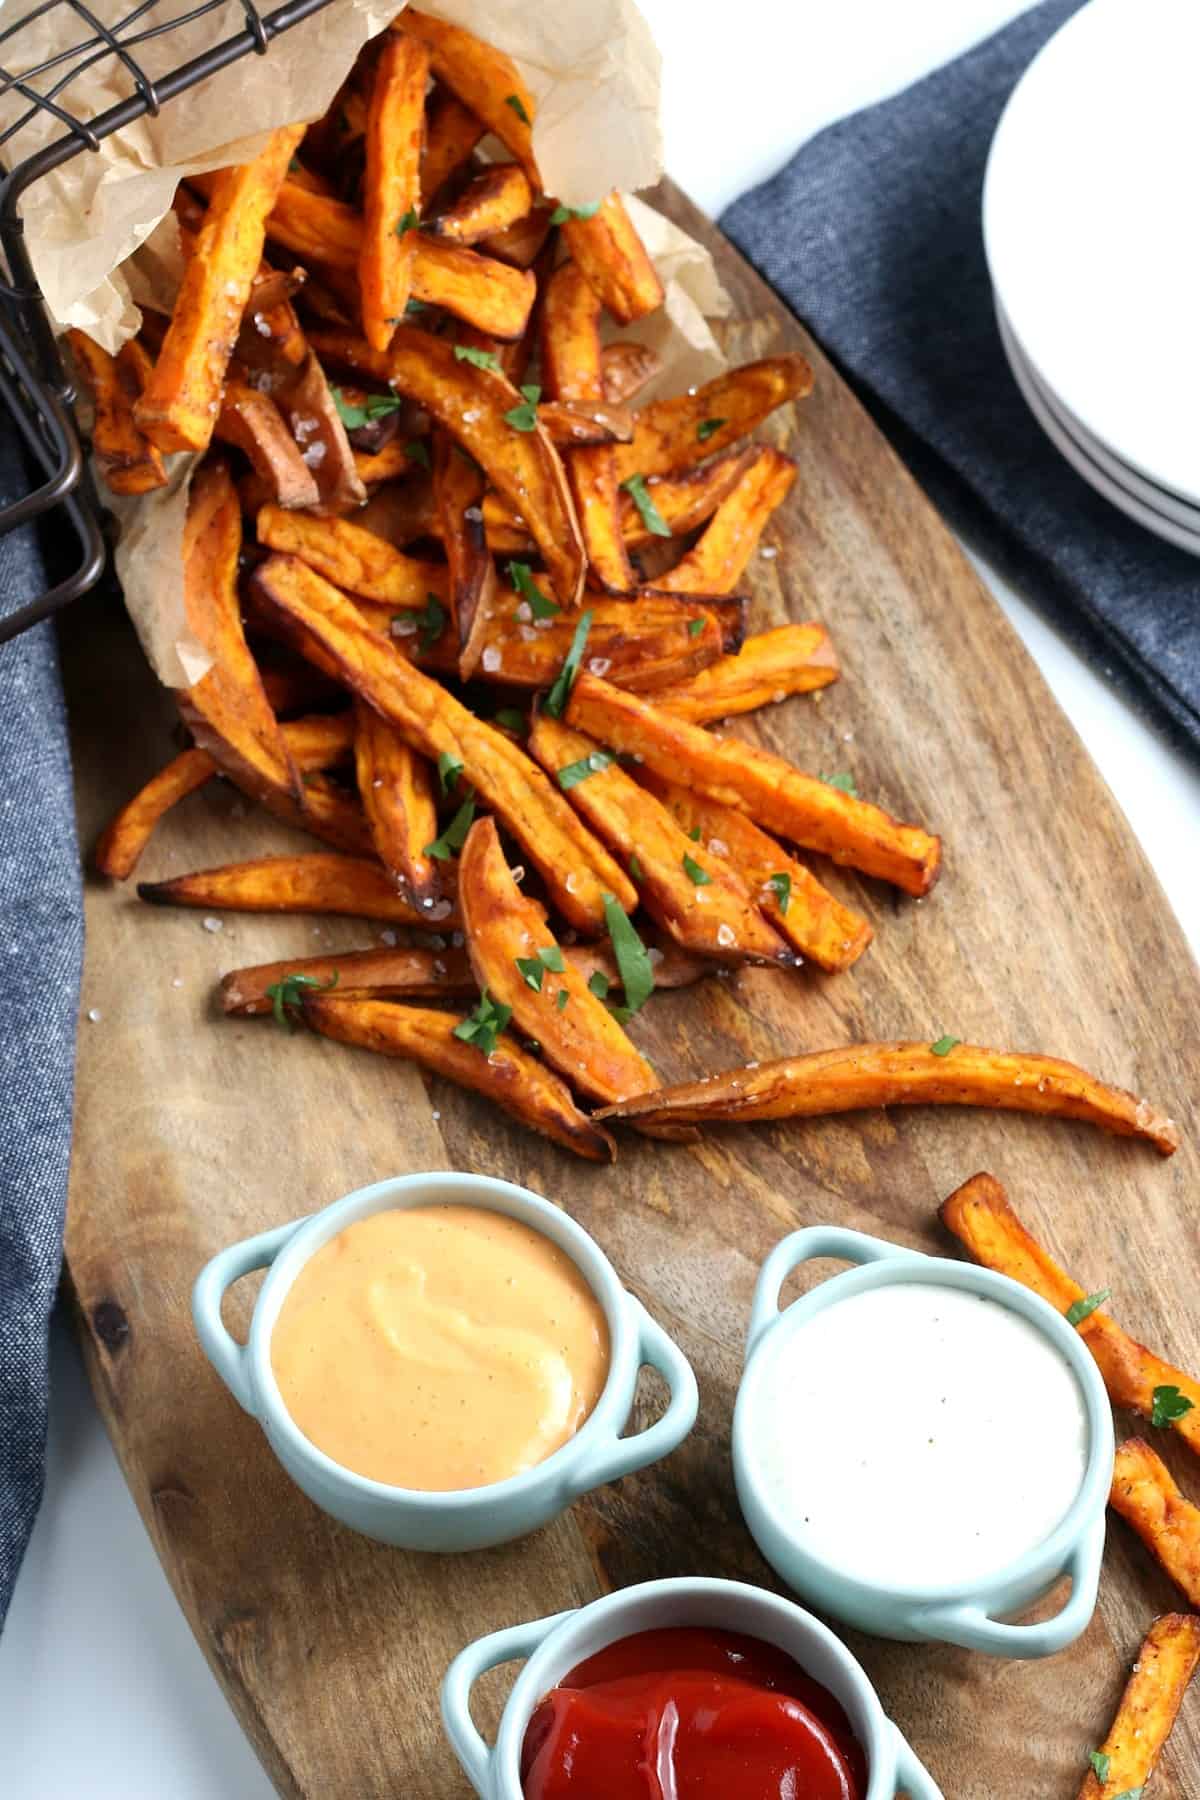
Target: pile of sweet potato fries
(460, 618)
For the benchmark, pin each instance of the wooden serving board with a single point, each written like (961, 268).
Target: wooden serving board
(1047, 931)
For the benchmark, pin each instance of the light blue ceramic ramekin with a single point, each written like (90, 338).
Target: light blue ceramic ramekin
(976, 1615)
(470, 1518)
(557, 1645)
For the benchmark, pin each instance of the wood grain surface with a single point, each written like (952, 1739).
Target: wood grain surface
(1047, 931)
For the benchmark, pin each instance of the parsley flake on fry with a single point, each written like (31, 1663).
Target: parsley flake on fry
(482, 359)
(286, 996)
(1168, 1405)
(521, 576)
(706, 427)
(449, 769)
(695, 874)
(598, 983)
(564, 681)
(579, 771)
(447, 847)
(561, 1001)
(509, 719)
(533, 968)
(1100, 1764)
(944, 1045)
(844, 782)
(518, 106)
(524, 417)
(417, 450)
(1079, 1310)
(652, 519)
(375, 406)
(637, 974)
(695, 627)
(409, 221)
(484, 1025)
(431, 622)
(781, 886)
(562, 213)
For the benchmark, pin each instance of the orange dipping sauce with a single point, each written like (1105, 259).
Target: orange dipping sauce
(440, 1347)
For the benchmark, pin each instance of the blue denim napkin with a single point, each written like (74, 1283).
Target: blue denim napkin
(872, 235)
(41, 950)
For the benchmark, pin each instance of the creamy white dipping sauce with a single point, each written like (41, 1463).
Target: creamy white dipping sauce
(916, 1435)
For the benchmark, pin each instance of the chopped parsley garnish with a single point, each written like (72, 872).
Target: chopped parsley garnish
(518, 106)
(374, 406)
(694, 834)
(521, 576)
(781, 886)
(561, 1001)
(286, 996)
(564, 681)
(1100, 1764)
(480, 359)
(637, 975)
(695, 627)
(410, 221)
(598, 983)
(843, 782)
(511, 719)
(652, 519)
(1079, 1310)
(706, 427)
(431, 622)
(446, 847)
(695, 874)
(295, 166)
(449, 770)
(533, 968)
(417, 450)
(562, 213)
(579, 771)
(1168, 1405)
(524, 417)
(635, 868)
(416, 306)
(944, 1045)
(484, 1025)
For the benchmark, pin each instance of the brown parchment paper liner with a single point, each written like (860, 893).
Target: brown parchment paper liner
(103, 240)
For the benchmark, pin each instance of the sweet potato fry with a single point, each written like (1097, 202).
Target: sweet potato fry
(495, 199)
(520, 244)
(307, 403)
(572, 371)
(626, 368)
(641, 645)
(867, 1075)
(396, 786)
(673, 967)
(458, 484)
(812, 919)
(128, 461)
(1146, 1496)
(227, 710)
(798, 806)
(517, 960)
(353, 558)
(328, 813)
(392, 184)
(792, 659)
(320, 740)
(668, 436)
(378, 974)
(577, 424)
(717, 562)
(683, 502)
(483, 78)
(510, 1076)
(391, 463)
(613, 258)
(296, 687)
(126, 835)
(979, 1215)
(577, 870)
(452, 131)
(319, 883)
(250, 420)
(697, 897)
(1149, 1706)
(179, 407)
(471, 403)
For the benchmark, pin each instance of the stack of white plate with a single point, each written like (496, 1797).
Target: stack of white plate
(1093, 244)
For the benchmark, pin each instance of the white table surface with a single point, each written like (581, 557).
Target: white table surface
(103, 1691)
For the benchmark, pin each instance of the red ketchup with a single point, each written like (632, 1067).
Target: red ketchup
(690, 1714)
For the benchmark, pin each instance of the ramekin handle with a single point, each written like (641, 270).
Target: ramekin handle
(912, 1777)
(223, 1351)
(513, 1645)
(971, 1626)
(807, 1246)
(618, 1456)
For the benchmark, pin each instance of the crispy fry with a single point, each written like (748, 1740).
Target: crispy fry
(613, 258)
(491, 295)
(979, 1215)
(684, 501)
(484, 79)
(353, 558)
(696, 896)
(128, 461)
(390, 463)
(626, 368)
(717, 562)
(792, 659)
(396, 786)
(812, 919)
(471, 404)
(458, 484)
(179, 407)
(318, 883)
(320, 741)
(504, 930)
(798, 806)
(227, 710)
(494, 200)
(521, 244)
(572, 371)
(510, 1076)
(328, 813)
(668, 438)
(1145, 1494)
(673, 967)
(576, 424)
(1149, 1706)
(126, 835)
(392, 184)
(452, 131)
(868, 1075)
(311, 412)
(577, 870)
(250, 420)
(375, 974)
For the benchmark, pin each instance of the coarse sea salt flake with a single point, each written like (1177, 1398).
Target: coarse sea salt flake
(212, 924)
(491, 659)
(94, 1014)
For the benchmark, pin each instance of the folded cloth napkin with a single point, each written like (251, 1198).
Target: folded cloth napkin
(41, 949)
(872, 235)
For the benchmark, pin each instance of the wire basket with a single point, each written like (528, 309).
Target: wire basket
(34, 384)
